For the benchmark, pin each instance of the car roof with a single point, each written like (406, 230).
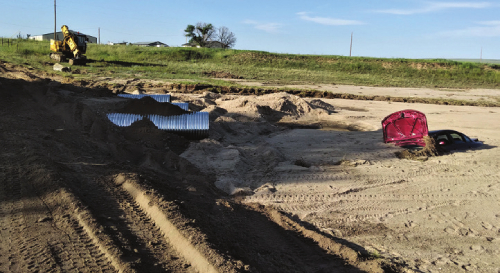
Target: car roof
(435, 132)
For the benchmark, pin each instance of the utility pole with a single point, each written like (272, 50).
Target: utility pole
(99, 35)
(481, 57)
(55, 20)
(350, 50)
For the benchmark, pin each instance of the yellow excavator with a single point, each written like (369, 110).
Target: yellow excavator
(72, 47)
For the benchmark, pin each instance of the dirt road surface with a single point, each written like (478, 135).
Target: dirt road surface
(282, 184)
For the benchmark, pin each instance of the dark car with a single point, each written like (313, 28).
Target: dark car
(453, 140)
(407, 129)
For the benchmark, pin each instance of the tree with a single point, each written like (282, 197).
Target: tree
(226, 37)
(200, 34)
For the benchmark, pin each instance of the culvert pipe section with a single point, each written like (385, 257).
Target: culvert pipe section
(194, 124)
(124, 120)
(183, 105)
(158, 98)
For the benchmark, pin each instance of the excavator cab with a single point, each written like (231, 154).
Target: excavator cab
(81, 41)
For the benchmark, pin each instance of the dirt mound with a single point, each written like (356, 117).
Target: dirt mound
(149, 106)
(430, 149)
(221, 75)
(272, 107)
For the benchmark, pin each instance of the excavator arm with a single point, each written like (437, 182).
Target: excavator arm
(70, 41)
(73, 46)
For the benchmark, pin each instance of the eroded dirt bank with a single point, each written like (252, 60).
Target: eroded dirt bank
(80, 194)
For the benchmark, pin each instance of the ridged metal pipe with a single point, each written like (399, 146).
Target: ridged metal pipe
(158, 98)
(183, 105)
(124, 120)
(192, 125)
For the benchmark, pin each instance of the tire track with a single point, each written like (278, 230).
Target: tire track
(178, 241)
(148, 232)
(124, 225)
(10, 223)
(117, 263)
(38, 239)
(318, 198)
(301, 178)
(26, 252)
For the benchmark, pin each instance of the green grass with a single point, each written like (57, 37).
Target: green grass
(189, 64)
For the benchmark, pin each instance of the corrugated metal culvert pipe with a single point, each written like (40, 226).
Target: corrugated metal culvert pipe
(158, 98)
(124, 120)
(183, 105)
(193, 125)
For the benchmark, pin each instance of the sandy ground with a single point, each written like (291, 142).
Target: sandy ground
(282, 184)
(437, 93)
(438, 215)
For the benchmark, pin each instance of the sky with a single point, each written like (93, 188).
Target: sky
(380, 28)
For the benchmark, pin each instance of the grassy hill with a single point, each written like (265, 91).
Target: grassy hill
(483, 61)
(198, 64)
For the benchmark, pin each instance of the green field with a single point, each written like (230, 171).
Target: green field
(483, 61)
(193, 64)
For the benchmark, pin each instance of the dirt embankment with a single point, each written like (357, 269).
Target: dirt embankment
(79, 194)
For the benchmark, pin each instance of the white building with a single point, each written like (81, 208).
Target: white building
(60, 37)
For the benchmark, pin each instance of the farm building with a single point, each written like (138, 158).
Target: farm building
(60, 37)
(121, 43)
(155, 44)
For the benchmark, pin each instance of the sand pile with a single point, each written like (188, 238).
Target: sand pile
(149, 106)
(273, 107)
(237, 120)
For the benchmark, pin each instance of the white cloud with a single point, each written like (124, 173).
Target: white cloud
(267, 27)
(438, 6)
(328, 21)
(488, 29)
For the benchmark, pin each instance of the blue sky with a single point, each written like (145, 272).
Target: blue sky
(381, 28)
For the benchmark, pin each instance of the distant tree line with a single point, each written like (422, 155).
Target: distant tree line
(20, 36)
(203, 34)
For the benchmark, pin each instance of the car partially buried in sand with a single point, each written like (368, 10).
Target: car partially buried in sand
(407, 129)
(453, 140)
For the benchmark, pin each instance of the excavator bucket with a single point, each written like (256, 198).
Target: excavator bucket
(55, 46)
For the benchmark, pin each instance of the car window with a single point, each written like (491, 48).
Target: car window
(442, 139)
(456, 137)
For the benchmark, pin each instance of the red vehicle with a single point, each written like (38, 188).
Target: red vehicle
(407, 128)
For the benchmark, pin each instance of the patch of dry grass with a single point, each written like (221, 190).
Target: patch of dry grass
(430, 150)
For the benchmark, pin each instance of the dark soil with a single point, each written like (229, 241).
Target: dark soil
(64, 204)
